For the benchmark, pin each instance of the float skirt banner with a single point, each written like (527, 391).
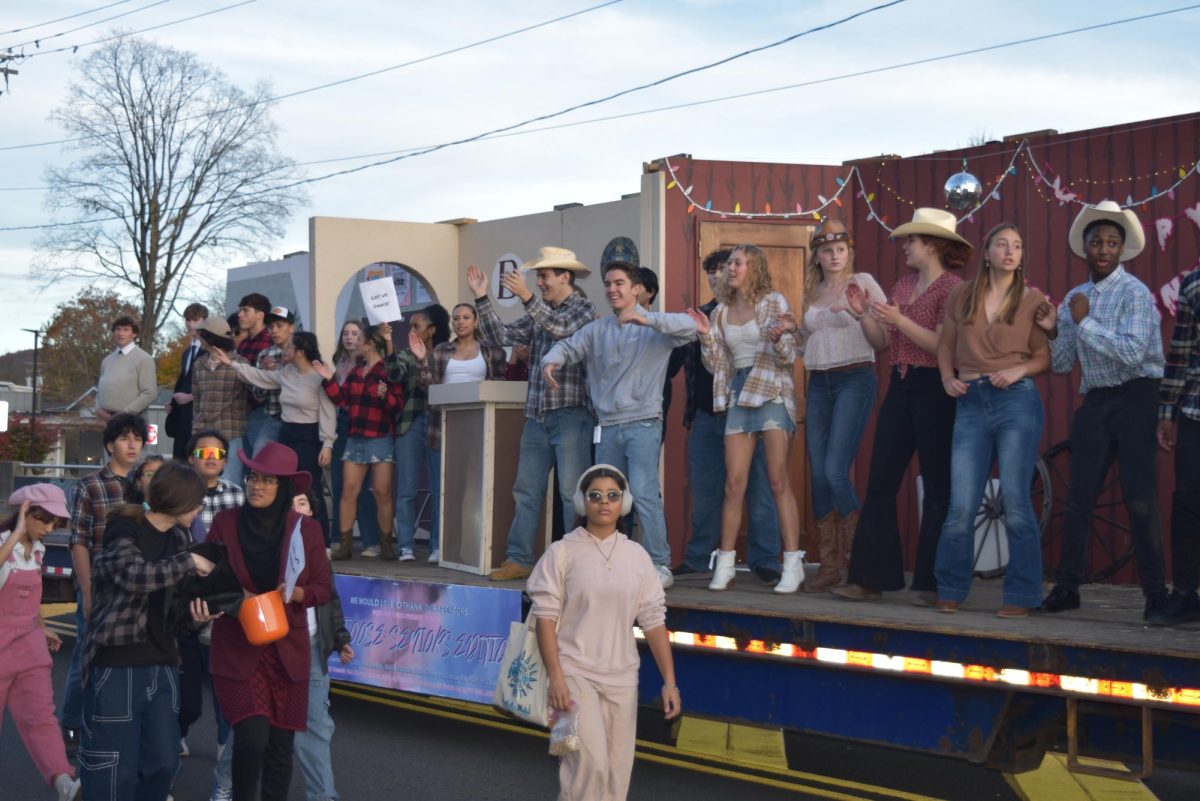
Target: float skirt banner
(437, 639)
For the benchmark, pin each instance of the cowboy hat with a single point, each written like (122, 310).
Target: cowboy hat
(550, 258)
(274, 459)
(931, 222)
(1108, 211)
(831, 231)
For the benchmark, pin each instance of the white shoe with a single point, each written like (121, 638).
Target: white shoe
(724, 571)
(183, 749)
(665, 576)
(371, 552)
(793, 572)
(221, 794)
(435, 556)
(407, 555)
(66, 787)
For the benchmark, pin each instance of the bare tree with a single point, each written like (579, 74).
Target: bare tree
(176, 164)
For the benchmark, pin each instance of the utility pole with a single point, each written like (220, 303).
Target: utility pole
(6, 70)
(34, 413)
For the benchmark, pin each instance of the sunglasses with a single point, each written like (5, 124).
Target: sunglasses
(209, 453)
(612, 496)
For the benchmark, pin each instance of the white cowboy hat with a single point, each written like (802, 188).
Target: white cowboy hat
(557, 259)
(1108, 211)
(931, 222)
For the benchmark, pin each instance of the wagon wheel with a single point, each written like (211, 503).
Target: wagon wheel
(989, 520)
(1110, 538)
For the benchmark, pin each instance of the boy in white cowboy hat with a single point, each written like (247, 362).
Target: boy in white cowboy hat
(1111, 325)
(558, 420)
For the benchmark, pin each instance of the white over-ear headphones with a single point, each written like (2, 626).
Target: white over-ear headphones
(581, 502)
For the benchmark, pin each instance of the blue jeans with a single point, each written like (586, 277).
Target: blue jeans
(562, 439)
(312, 745)
(71, 712)
(233, 465)
(411, 457)
(1005, 425)
(258, 429)
(367, 516)
(634, 448)
(129, 750)
(838, 407)
(706, 469)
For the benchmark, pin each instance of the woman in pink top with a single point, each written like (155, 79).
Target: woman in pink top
(990, 338)
(588, 589)
(25, 687)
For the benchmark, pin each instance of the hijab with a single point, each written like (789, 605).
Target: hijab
(260, 534)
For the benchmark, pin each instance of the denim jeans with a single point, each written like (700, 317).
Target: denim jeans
(233, 465)
(367, 516)
(411, 458)
(916, 415)
(70, 714)
(305, 440)
(634, 448)
(1185, 508)
(838, 407)
(706, 472)
(130, 744)
(1115, 422)
(312, 745)
(1005, 425)
(261, 428)
(562, 439)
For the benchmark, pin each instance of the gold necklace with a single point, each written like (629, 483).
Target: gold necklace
(607, 559)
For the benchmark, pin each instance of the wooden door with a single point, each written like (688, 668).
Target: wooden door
(787, 249)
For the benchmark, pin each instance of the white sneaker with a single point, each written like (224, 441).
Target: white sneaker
(407, 555)
(67, 788)
(435, 556)
(221, 794)
(665, 576)
(371, 552)
(183, 749)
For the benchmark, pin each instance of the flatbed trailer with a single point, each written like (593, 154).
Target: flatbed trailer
(1091, 683)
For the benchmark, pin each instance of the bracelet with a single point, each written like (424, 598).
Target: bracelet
(667, 687)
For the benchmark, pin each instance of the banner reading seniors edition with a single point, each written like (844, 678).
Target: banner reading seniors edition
(436, 639)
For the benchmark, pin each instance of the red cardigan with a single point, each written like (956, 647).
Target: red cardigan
(232, 654)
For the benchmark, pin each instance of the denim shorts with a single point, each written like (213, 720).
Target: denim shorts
(369, 450)
(771, 416)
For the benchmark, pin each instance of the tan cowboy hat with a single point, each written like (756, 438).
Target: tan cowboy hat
(931, 222)
(557, 259)
(1108, 211)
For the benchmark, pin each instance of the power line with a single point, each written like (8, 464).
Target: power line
(64, 19)
(361, 76)
(38, 42)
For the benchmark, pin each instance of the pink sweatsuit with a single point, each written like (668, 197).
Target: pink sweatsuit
(606, 585)
(25, 687)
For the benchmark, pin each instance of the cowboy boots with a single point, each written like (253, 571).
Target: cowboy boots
(793, 572)
(724, 572)
(387, 546)
(829, 574)
(847, 526)
(345, 547)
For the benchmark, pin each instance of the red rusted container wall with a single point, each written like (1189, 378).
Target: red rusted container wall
(1139, 160)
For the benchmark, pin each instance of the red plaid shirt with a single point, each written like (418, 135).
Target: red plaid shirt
(249, 349)
(370, 415)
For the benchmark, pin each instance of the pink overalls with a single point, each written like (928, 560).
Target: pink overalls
(25, 687)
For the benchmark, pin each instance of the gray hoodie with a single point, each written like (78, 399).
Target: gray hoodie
(626, 364)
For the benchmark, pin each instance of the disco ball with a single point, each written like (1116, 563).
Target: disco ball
(963, 191)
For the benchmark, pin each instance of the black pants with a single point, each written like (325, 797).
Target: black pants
(1115, 422)
(305, 440)
(916, 416)
(1185, 508)
(261, 750)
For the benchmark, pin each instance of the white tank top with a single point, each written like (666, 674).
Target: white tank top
(742, 341)
(462, 371)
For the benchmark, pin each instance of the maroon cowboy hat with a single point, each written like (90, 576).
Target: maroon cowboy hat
(274, 459)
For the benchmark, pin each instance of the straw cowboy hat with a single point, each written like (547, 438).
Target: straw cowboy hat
(557, 259)
(275, 459)
(1108, 211)
(931, 222)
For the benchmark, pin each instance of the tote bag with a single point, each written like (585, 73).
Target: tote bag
(523, 688)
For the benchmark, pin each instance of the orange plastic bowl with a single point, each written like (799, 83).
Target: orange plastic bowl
(263, 618)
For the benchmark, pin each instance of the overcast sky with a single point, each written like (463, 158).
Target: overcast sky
(1133, 71)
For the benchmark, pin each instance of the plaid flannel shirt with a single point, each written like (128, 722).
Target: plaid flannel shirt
(433, 371)
(403, 368)
(122, 580)
(541, 327)
(268, 398)
(1118, 341)
(1180, 391)
(226, 495)
(95, 495)
(370, 415)
(249, 349)
(221, 400)
(771, 375)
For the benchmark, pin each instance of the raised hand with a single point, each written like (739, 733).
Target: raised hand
(1046, 316)
(323, 370)
(886, 313)
(477, 281)
(417, 346)
(220, 356)
(514, 282)
(703, 326)
(857, 301)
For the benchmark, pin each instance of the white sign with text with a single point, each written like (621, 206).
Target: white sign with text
(380, 301)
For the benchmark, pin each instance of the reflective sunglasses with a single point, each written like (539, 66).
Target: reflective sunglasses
(209, 453)
(612, 496)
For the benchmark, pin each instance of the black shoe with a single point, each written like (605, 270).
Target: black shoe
(70, 740)
(1060, 599)
(768, 575)
(1181, 607)
(685, 570)
(1155, 613)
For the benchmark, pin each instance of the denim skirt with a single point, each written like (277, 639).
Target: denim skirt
(771, 416)
(369, 450)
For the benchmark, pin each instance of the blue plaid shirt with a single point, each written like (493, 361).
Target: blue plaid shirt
(1181, 382)
(1118, 341)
